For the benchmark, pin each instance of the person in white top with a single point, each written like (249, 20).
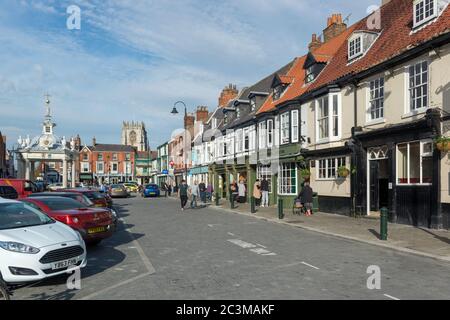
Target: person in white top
(195, 193)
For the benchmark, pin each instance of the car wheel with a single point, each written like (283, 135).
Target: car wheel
(4, 294)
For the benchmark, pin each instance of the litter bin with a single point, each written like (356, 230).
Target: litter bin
(315, 202)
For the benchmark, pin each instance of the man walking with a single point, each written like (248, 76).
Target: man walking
(195, 192)
(265, 192)
(202, 188)
(307, 198)
(183, 194)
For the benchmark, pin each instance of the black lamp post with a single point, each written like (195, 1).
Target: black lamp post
(175, 112)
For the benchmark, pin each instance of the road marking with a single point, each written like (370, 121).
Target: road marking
(261, 245)
(391, 297)
(231, 234)
(89, 297)
(260, 251)
(253, 247)
(310, 265)
(242, 244)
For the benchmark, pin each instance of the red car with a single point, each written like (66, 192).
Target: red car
(96, 197)
(94, 224)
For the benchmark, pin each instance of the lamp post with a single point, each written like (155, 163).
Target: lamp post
(175, 112)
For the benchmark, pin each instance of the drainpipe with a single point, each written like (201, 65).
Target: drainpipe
(355, 149)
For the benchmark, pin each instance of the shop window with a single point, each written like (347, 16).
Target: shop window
(265, 171)
(414, 163)
(287, 179)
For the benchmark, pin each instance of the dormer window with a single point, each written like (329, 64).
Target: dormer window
(424, 11)
(277, 91)
(309, 74)
(355, 48)
(48, 129)
(252, 104)
(238, 112)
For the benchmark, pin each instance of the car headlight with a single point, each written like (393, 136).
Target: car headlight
(79, 236)
(113, 212)
(18, 247)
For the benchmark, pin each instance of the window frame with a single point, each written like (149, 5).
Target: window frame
(408, 91)
(262, 135)
(422, 155)
(417, 23)
(331, 116)
(270, 133)
(309, 74)
(355, 54)
(295, 121)
(265, 171)
(370, 99)
(338, 161)
(285, 137)
(281, 177)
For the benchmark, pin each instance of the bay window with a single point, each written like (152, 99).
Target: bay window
(414, 163)
(328, 121)
(262, 134)
(285, 128)
(238, 141)
(269, 133)
(246, 139)
(294, 125)
(287, 178)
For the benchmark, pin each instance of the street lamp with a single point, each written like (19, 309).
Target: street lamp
(175, 112)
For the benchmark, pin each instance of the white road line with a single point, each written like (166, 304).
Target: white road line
(391, 297)
(310, 265)
(242, 244)
(231, 234)
(260, 251)
(261, 245)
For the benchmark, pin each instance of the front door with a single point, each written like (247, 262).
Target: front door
(374, 186)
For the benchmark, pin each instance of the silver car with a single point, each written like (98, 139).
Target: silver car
(119, 191)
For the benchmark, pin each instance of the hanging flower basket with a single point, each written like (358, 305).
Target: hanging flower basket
(343, 172)
(305, 173)
(443, 143)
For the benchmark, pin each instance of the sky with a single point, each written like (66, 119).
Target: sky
(132, 59)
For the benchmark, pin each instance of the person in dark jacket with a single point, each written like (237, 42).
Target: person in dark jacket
(306, 196)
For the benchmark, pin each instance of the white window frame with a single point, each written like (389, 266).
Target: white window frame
(294, 126)
(418, 23)
(85, 167)
(353, 40)
(262, 135)
(330, 118)
(285, 125)
(265, 171)
(371, 99)
(422, 155)
(112, 167)
(408, 91)
(270, 133)
(245, 134)
(103, 167)
(238, 140)
(337, 162)
(281, 178)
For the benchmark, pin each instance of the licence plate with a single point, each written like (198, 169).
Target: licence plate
(152, 193)
(96, 230)
(64, 264)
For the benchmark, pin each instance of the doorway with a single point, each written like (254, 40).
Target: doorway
(378, 180)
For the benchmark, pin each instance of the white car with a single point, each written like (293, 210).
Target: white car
(33, 246)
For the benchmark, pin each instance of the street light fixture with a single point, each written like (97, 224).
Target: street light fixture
(175, 112)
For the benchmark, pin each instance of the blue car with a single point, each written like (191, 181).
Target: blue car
(151, 190)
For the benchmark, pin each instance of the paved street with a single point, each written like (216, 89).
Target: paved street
(161, 253)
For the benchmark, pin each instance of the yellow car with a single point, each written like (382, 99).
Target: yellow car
(131, 187)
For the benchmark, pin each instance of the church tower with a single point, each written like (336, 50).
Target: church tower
(134, 134)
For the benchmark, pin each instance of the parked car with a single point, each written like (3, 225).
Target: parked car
(8, 192)
(54, 186)
(94, 224)
(23, 187)
(131, 187)
(33, 246)
(151, 190)
(95, 196)
(83, 197)
(119, 191)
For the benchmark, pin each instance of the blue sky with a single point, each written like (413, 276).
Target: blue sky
(132, 59)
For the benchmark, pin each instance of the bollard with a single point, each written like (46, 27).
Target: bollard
(384, 224)
(252, 205)
(217, 199)
(280, 209)
(232, 201)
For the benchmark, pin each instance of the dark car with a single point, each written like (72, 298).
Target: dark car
(96, 197)
(94, 224)
(8, 192)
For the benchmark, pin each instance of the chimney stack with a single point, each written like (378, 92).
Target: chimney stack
(202, 114)
(228, 93)
(315, 43)
(335, 26)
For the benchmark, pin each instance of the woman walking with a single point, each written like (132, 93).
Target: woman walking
(257, 192)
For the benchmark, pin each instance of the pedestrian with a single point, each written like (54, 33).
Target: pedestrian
(257, 192)
(169, 189)
(234, 191)
(202, 189)
(265, 192)
(307, 198)
(210, 191)
(183, 194)
(242, 191)
(195, 193)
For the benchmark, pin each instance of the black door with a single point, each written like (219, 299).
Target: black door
(374, 186)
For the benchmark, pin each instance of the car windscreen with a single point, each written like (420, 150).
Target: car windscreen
(20, 215)
(60, 203)
(94, 195)
(117, 186)
(151, 186)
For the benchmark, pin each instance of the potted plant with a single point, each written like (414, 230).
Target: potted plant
(343, 172)
(305, 173)
(442, 143)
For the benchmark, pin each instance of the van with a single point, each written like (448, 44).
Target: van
(22, 186)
